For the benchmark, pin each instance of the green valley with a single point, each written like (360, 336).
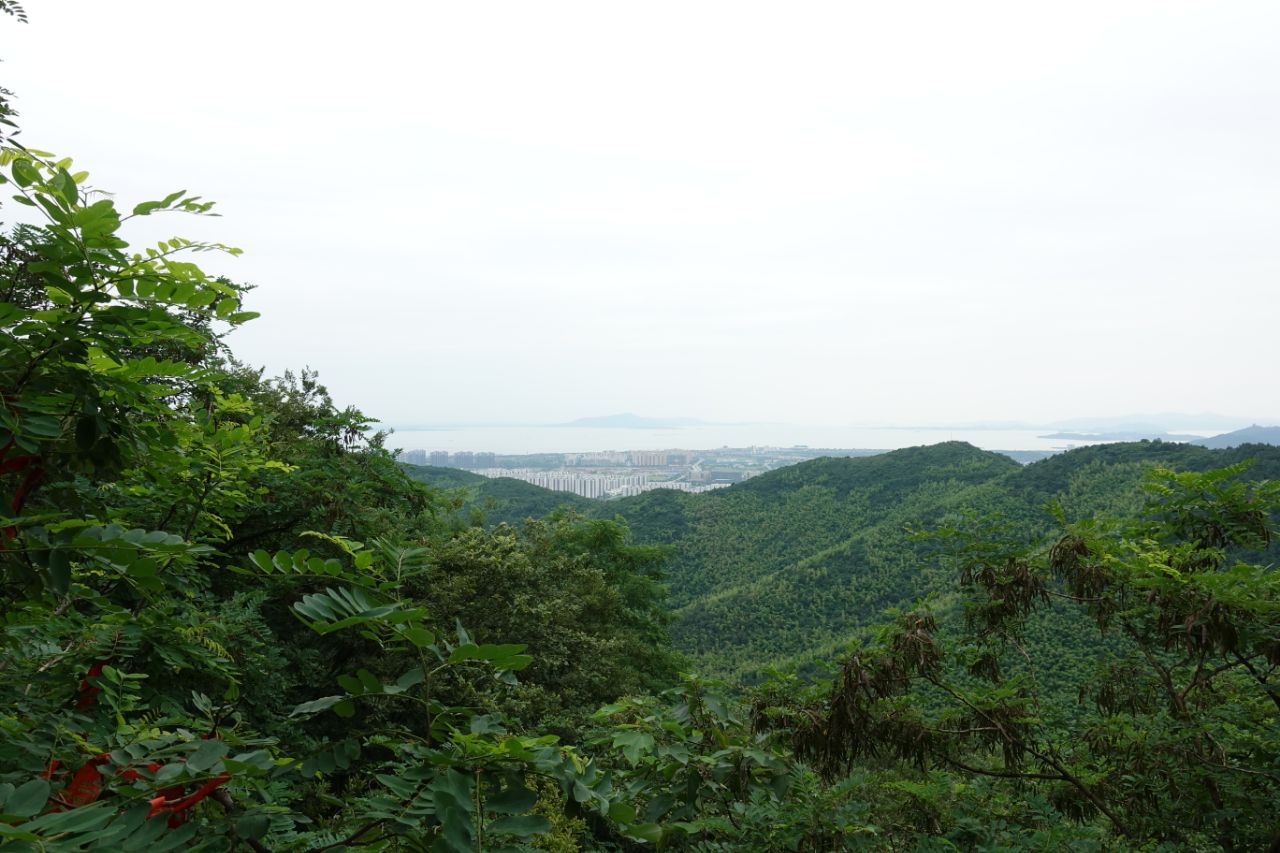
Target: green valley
(794, 563)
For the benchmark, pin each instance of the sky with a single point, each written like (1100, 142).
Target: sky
(847, 213)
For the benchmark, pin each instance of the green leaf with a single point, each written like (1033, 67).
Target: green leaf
(175, 839)
(169, 773)
(633, 743)
(253, 826)
(457, 787)
(202, 299)
(515, 663)
(458, 831)
(65, 185)
(316, 705)
(418, 635)
(506, 656)
(469, 651)
(42, 426)
(147, 207)
(85, 819)
(369, 681)
(411, 678)
(50, 206)
(59, 571)
(622, 812)
(28, 799)
(650, 832)
(520, 825)
(24, 174)
(514, 800)
(333, 609)
(209, 753)
(259, 760)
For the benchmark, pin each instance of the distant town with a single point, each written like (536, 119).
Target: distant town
(616, 474)
(622, 473)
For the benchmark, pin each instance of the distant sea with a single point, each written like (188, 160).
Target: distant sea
(561, 439)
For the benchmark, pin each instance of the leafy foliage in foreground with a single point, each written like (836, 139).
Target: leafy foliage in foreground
(1175, 739)
(192, 553)
(230, 622)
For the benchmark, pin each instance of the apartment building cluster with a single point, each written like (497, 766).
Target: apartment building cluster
(445, 459)
(596, 485)
(630, 459)
(610, 473)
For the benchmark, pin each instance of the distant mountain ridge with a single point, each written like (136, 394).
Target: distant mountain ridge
(1249, 435)
(1125, 435)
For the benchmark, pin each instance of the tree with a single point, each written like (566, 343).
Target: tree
(150, 639)
(1175, 737)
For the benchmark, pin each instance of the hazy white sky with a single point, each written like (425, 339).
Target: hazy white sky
(825, 213)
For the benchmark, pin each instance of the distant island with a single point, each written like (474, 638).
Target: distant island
(1123, 436)
(627, 420)
(1249, 435)
(1150, 423)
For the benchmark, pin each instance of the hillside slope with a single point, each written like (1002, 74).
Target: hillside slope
(794, 563)
(500, 499)
(747, 532)
(777, 571)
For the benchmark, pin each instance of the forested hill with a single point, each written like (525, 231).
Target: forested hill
(791, 564)
(502, 498)
(742, 534)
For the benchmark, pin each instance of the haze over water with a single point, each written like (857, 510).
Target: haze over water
(561, 439)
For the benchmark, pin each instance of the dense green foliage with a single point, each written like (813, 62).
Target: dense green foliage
(790, 565)
(501, 499)
(230, 621)
(793, 563)
(1175, 737)
(193, 556)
